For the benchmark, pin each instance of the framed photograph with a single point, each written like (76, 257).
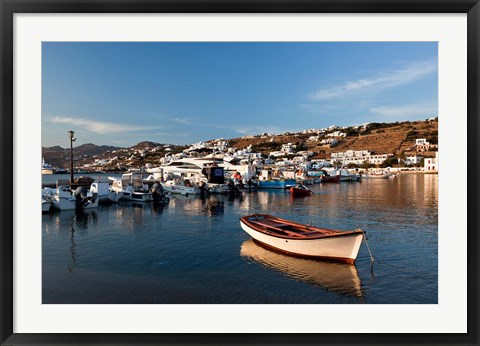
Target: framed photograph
(239, 173)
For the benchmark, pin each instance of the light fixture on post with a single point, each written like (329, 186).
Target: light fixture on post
(72, 139)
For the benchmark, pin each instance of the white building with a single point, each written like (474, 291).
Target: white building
(430, 164)
(305, 153)
(422, 145)
(276, 153)
(299, 159)
(337, 134)
(331, 141)
(421, 141)
(288, 148)
(358, 157)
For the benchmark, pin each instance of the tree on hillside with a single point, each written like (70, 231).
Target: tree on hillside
(366, 165)
(389, 162)
(352, 165)
(351, 132)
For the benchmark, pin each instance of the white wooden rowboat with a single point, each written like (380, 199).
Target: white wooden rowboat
(303, 240)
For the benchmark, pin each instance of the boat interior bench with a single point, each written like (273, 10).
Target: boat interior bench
(278, 227)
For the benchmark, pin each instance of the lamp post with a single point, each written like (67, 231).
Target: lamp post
(72, 139)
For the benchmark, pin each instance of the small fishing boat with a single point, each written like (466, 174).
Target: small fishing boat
(303, 240)
(377, 176)
(300, 191)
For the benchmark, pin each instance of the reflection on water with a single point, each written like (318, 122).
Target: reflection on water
(193, 250)
(335, 277)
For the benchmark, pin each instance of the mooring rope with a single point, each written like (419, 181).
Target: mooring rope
(368, 247)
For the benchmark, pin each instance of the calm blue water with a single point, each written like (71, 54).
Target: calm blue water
(194, 251)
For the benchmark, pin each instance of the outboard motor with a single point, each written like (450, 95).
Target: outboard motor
(157, 188)
(232, 187)
(81, 196)
(203, 189)
(158, 194)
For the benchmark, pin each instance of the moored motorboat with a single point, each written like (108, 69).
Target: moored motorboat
(346, 176)
(180, 188)
(131, 187)
(104, 192)
(303, 240)
(300, 191)
(46, 168)
(65, 198)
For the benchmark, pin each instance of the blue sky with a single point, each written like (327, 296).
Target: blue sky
(181, 93)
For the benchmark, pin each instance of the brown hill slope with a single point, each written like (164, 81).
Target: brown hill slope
(394, 138)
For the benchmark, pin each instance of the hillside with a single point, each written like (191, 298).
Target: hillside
(60, 157)
(380, 138)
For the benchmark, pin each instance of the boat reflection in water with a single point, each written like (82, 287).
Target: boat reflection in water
(336, 277)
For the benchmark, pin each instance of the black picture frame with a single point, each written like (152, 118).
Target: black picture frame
(10, 7)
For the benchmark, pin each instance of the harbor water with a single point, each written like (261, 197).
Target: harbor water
(193, 251)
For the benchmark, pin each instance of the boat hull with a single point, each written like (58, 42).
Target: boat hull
(342, 248)
(70, 203)
(180, 189)
(276, 184)
(136, 196)
(295, 192)
(376, 176)
(330, 179)
(46, 205)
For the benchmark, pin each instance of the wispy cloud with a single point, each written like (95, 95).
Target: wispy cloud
(406, 111)
(99, 127)
(185, 121)
(387, 79)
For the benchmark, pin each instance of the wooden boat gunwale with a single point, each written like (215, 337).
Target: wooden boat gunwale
(306, 232)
